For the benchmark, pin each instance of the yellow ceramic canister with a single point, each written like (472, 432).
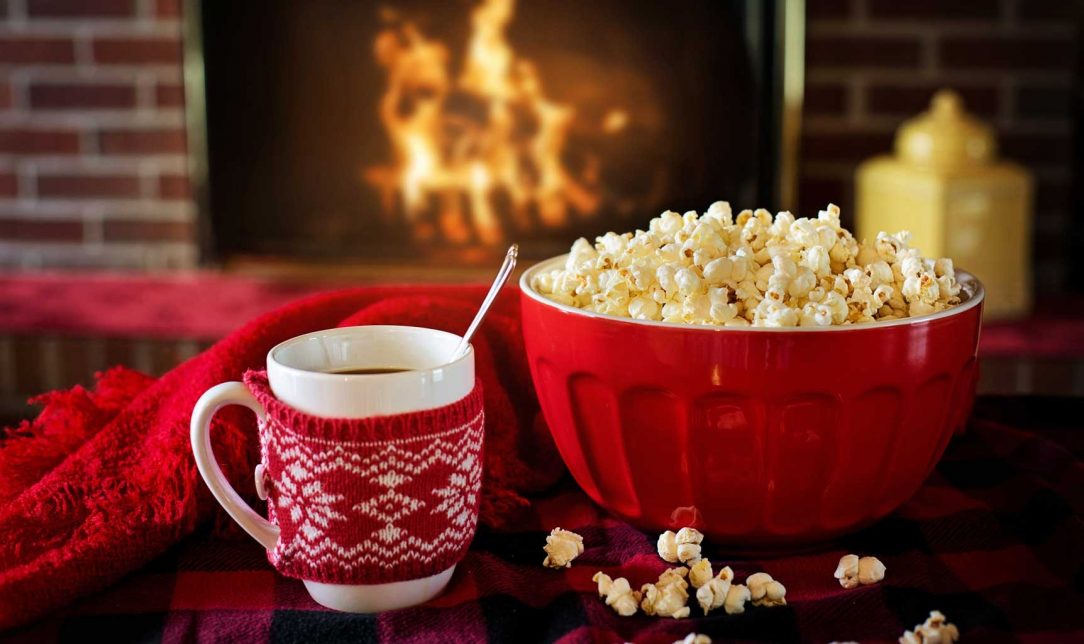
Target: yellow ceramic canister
(946, 185)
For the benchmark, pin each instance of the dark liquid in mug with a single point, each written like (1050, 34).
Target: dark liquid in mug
(349, 371)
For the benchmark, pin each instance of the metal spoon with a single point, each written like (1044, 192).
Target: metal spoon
(502, 276)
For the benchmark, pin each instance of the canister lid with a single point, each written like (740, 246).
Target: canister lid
(945, 135)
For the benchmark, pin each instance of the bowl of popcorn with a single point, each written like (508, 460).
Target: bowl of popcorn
(768, 380)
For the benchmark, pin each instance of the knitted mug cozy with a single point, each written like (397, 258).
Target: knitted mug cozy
(370, 500)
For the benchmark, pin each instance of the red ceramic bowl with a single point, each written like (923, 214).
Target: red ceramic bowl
(760, 437)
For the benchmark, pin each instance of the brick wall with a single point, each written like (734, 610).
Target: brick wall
(872, 63)
(92, 138)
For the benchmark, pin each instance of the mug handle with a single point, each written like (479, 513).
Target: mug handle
(215, 398)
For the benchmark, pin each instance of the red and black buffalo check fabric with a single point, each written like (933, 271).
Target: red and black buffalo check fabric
(995, 540)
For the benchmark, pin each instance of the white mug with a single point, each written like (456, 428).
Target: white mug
(298, 374)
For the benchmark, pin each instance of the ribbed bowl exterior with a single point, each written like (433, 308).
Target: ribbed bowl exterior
(760, 438)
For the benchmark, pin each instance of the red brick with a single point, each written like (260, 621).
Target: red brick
(135, 230)
(77, 186)
(38, 141)
(80, 96)
(934, 9)
(169, 95)
(910, 99)
(845, 146)
(142, 142)
(861, 51)
(80, 8)
(6, 100)
(1008, 52)
(137, 51)
(9, 184)
(1037, 149)
(1044, 102)
(167, 8)
(1048, 10)
(33, 49)
(829, 99)
(173, 186)
(827, 9)
(64, 230)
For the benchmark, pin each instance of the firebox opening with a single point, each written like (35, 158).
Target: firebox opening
(419, 130)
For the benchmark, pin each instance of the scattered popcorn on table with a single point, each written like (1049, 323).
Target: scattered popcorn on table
(754, 270)
(765, 591)
(935, 630)
(870, 570)
(667, 546)
(735, 599)
(683, 546)
(618, 594)
(713, 594)
(853, 571)
(562, 546)
(694, 638)
(847, 571)
(700, 573)
(668, 596)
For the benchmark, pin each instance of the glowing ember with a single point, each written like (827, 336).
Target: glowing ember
(486, 146)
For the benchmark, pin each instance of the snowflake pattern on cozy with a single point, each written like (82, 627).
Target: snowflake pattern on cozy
(372, 511)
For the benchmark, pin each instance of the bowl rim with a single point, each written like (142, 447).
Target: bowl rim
(968, 282)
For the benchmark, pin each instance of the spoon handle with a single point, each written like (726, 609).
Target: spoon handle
(502, 276)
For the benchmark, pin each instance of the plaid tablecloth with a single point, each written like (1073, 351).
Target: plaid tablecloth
(995, 540)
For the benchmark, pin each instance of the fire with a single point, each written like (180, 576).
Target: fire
(476, 153)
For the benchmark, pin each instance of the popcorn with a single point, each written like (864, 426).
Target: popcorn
(694, 638)
(735, 599)
(683, 546)
(713, 594)
(870, 570)
(752, 269)
(847, 571)
(853, 571)
(688, 545)
(562, 546)
(667, 597)
(935, 630)
(700, 573)
(765, 591)
(618, 594)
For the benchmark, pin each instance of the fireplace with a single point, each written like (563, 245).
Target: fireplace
(442, 131)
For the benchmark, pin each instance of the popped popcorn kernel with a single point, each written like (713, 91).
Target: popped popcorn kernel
(562, 546)
(700, 573)
(617, 593)
(735, 599)
(847, 571)
(713, 593)
(753, 269)
(682, 547)
(765, 591)
(853, 571)
(694, 638)
(870, 570)
(688, 545)
(667, 597)
(935, 630)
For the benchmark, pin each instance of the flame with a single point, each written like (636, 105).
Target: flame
(475, 151)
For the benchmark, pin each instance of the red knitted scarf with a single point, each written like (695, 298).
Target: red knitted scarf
(370, 500)
(103, 481)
